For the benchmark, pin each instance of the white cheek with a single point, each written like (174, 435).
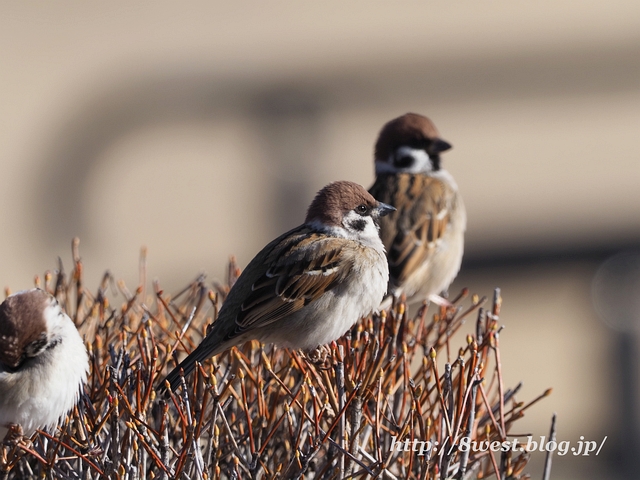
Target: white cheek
(421, 160)
(368, 236)
(370, 231)
(54, 318)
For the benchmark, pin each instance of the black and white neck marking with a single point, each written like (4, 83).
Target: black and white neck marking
(409, 160)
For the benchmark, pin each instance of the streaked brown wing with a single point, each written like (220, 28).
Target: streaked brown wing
(300, 269)
(411, 233)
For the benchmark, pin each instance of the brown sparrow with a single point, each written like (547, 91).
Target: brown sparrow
(424, 237)
(43, 362)
(308, 286)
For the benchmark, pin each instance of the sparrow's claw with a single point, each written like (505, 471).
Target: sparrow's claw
(13, 436)
(320, 356)
(440, 301)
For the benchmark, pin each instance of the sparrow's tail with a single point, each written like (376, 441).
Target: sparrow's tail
(188, 365)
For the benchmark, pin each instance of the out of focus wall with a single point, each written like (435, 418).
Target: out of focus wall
(202, 129)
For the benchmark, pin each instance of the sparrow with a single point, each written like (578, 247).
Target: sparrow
(43, 362)
(424, 237)
(308, 286)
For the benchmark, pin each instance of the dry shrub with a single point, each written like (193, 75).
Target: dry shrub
(267, 412)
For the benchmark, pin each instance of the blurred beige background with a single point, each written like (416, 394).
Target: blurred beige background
(202, 129)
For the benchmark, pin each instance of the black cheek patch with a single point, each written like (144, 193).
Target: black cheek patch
(405, 161)
(36, 347)
(359, 224)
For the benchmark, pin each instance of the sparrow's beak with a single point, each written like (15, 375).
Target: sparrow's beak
(384, 209)
(438, 145)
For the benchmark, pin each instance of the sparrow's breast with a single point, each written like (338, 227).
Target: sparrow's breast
(330, 316)
(424, 237)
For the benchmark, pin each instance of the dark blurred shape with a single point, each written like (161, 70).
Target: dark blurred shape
(289, 120)
(616, 292)
(616, 298)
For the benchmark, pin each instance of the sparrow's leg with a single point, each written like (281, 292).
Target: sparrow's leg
(319, 356)
(13, 436)
(440, 301)
(387, 303)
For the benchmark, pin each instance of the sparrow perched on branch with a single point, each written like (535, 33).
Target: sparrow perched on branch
(43, 362)
(308, 286)
(424, 237)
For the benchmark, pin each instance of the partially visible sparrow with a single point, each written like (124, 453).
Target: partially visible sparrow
(308, 286)
(424, 237)
(43, 362)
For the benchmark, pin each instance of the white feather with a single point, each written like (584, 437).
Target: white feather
(421, 162)
(45, 388)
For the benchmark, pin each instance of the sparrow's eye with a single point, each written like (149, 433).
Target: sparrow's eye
(362, 209)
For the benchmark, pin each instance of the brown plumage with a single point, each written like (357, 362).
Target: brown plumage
(337, 198)
(308, 286)
(22, 326)
(289, 283)
(424, 237)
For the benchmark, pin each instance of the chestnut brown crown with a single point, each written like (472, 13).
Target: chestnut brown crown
(336, 199)
(22, 325)
(410, 130)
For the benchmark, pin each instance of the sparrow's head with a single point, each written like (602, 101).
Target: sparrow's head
(409, 144)
(347, 209)
(29, 325)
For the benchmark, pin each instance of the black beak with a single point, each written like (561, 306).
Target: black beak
(384, 209)
(438, 145)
